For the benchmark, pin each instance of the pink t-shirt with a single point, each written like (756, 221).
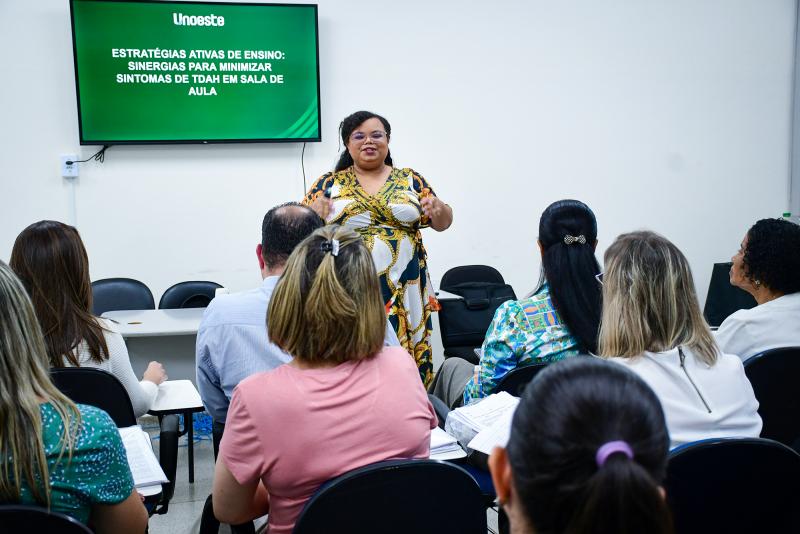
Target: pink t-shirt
(296, 429)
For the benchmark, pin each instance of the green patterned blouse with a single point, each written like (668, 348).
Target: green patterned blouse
(522, 332)
(98, 472)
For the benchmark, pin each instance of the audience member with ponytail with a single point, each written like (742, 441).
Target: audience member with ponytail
(344, 401)
(587, 454)
(560, 319)
(387, 206)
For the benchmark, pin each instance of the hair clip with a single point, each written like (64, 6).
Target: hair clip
(568, 239)
(612, 447)
(331, 246)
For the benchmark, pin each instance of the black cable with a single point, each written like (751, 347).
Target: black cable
(303, 165)
(99, 156)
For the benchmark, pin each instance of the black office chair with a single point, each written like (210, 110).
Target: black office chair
(723, 299)
(103, 390)
(775, 375)
(516, 380)
(734, 485)
(193, 294)
(470, 273)
(24, 518)
(463, 321)
(113, 294)
(395, 497)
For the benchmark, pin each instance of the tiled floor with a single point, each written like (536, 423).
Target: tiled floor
(186, 505)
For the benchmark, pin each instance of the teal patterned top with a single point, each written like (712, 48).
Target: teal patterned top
(522, 332)
(98, 472)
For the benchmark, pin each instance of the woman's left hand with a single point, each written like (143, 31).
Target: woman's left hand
(431, 206)
(438, 212)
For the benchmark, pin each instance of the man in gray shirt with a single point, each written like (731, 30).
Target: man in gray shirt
(232, 341)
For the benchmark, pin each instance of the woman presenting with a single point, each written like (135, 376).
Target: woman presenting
(387, 207)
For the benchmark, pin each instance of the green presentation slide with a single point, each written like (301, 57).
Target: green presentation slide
(164, 72)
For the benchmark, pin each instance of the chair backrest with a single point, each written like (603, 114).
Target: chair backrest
(22, 518)
(96, 387)
(463, 321)
(775, 375)
(516, 380)
(470, 273)
(723, 299)
(734, 485)
(113, 294)
(192, 294)
(397, 496)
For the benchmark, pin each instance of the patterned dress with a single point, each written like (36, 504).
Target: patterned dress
(389, 222)
(98, 471)
(522, 332)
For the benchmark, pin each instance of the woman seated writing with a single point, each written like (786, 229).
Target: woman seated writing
(768, 267)
(50, 259)
(55, 454)
(652, 324)
(560, 319)
(587, 454)
(344, 401)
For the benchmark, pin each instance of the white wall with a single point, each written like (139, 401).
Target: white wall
(672, 115)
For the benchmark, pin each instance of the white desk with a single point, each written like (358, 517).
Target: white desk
(166, 336)
(154, 323)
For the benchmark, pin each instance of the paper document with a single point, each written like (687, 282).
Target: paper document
(495, 435)
(466, 422)
(145, 468)
(444, 446)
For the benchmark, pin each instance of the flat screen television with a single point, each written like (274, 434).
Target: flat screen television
(195, 72)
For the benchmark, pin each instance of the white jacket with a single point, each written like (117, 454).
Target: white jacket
(699, 401)
(770, 325)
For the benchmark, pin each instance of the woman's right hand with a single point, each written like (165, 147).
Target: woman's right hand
(323, 206)
(155, 373)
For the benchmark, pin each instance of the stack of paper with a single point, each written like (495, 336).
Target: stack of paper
(496, 435)
(444, 446)
(468, 421)
(145, 468)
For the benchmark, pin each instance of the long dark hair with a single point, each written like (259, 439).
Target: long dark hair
(569, 411)
(50, 259)
(346, 127)
(570, 268)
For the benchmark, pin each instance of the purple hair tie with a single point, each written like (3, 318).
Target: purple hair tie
(612, 447)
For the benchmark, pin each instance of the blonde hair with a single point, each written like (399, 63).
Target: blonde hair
(649, 300)
(326, 308)
(24, 383)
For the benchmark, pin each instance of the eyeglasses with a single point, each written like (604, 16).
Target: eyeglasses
(599, 278)
(377, 135)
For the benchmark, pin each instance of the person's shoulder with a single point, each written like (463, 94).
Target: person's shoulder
(729, 362)
(224, 308)
(94, 417)
(395, 358)
(740, 317)
(512, 306)
(108, 326)
(264, 380)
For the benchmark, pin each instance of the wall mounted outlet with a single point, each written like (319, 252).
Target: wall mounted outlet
(69, 170)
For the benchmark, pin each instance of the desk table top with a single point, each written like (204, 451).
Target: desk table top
(150, 323)
(177, 396)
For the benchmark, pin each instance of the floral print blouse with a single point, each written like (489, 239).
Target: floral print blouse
(522, 332)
